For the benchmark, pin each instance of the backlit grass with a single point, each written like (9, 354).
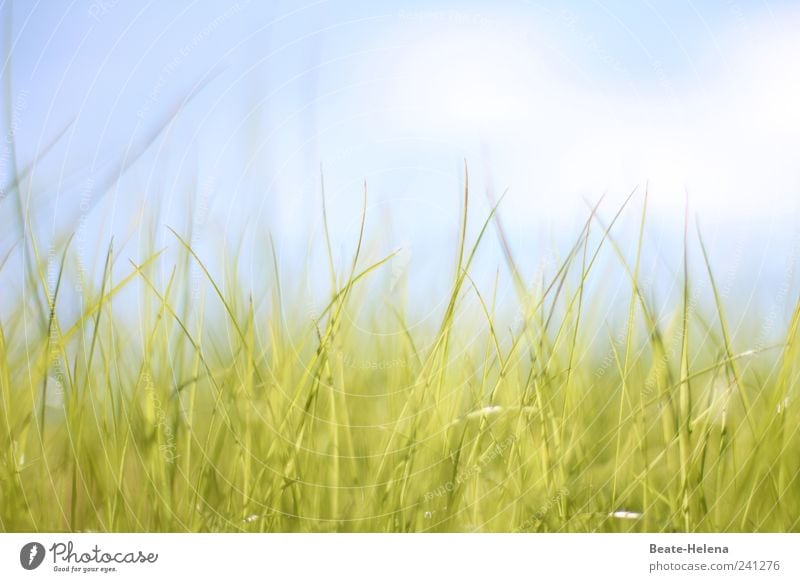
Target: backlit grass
(215, 409)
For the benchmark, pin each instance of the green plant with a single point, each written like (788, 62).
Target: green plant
(221, 411)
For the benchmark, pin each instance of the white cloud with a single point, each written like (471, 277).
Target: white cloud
(731, 136)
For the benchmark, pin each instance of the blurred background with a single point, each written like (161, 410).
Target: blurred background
(224, 120)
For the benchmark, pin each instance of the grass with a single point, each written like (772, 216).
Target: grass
(224, 411)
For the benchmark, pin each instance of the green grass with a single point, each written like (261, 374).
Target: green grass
(224, 411)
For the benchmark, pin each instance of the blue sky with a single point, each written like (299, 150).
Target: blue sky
(558, 102)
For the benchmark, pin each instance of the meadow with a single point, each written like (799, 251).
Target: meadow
(216, 409)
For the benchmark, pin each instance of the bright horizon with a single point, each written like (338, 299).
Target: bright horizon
(559, 106)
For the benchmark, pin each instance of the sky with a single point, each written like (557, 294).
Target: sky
(223, 119)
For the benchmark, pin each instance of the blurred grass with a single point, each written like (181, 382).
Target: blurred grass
(265, 417)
